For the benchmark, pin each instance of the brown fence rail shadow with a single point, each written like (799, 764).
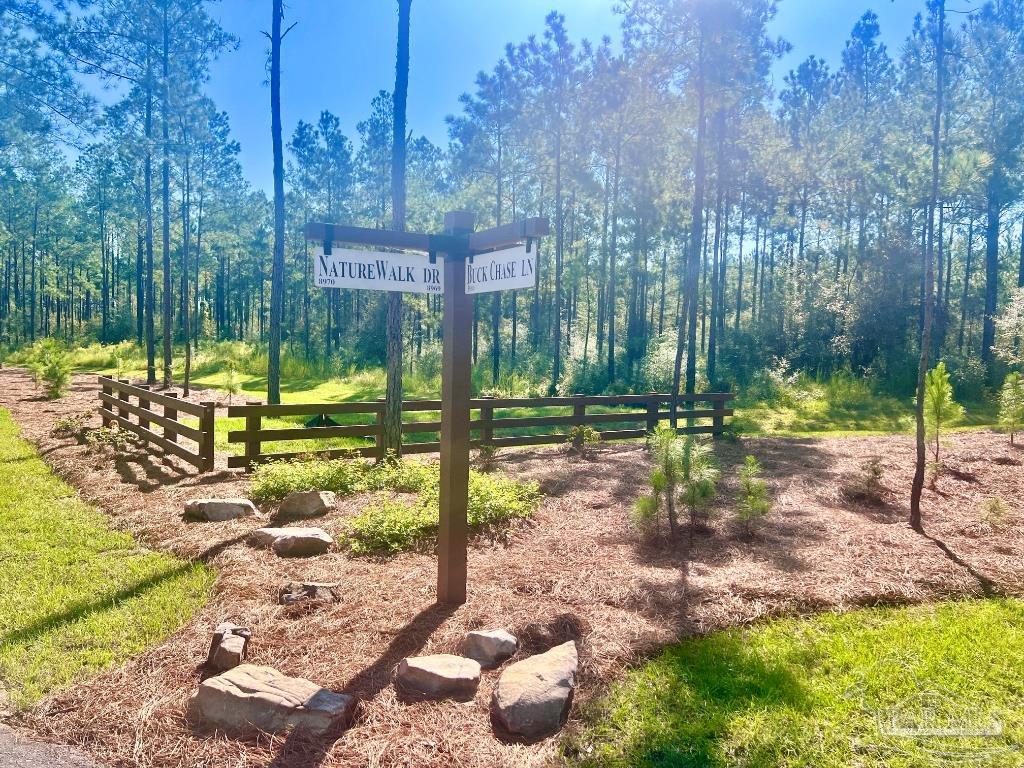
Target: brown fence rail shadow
(647, 410)
(116, 407)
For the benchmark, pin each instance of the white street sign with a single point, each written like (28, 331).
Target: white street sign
(377, 270)
(502, 270)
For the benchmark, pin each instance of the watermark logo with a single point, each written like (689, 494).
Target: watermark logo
(927, 722)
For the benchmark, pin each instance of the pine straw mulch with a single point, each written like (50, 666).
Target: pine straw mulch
(575, 571)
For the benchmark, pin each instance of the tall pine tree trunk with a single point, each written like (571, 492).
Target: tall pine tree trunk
(277, 272)
(393, 393)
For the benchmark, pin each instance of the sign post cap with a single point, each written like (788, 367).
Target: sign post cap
(459, 221)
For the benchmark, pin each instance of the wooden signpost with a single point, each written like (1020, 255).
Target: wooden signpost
(458, 264)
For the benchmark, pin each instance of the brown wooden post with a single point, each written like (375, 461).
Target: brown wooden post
(104, 406)
(487, 421)
(171, 413)
(144, 404)
(653, 401)
(457, 327)
(378, 420)
(579, 411)
(253, 424)
(718, 419)
(207, 425)
(123, 396)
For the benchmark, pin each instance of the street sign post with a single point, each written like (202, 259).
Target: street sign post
(458, 264)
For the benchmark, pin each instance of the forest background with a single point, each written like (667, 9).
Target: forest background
(707, 230)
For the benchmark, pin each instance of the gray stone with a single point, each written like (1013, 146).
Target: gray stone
(490, 647)
(307, 504)
(293, 542)
(297, 592)
(229, 647)
(533, 696)
(218, 510)
(439, 676)
(251, 696)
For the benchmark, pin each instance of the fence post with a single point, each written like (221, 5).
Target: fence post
(718, 419)
(172, 414)
(653, 402)
(579, 410)
(206, 428)
(144, 404)
(104, 406)
(486, 421)
(378, 420)
(121, 395)
(253, 422)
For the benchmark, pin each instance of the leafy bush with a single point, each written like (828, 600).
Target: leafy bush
(387, 527)
(275, 480)
(110, 437)
(754, 501)
(71, 425)
(48, 363)
(1011, 405)
(940, 409)
(400, 476)
(582, 436)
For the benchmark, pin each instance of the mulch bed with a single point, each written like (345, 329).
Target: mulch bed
(577, 570)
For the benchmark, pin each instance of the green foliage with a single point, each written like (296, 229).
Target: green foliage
(1011, 404)
(941, 411)
(276, 479)
(818, 691)
(69, 425)
(386, 527)
(995, 512)
(754, 500)
(110, 437)
(684, 470)
(583, 436)
(78, 597)
(49, 365)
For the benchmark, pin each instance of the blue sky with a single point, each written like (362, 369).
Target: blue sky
(341, 53)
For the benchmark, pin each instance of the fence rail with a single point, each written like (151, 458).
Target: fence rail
(656, 407)
(116, 407)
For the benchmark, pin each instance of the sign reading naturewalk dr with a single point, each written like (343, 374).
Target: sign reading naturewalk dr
(502, 270)
(377, 270)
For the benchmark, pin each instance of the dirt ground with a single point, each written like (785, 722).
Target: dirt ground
(577, 570)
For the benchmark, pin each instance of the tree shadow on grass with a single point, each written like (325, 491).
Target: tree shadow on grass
(689, 699)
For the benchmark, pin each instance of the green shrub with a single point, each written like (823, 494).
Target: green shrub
(110, 437)
(995, 512)
(754, 501)
(582, 436)
(275, 480)
(401, 476)
(1011, 405)
(71, 425)
(496, 500)
(387, 527)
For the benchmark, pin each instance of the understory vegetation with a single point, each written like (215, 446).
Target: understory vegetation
(77, 597)
(404, 514)
(875, 688)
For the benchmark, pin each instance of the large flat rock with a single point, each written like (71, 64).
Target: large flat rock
(218, 510)
(293, 542)
(440, 676)
(533, 696)
(251, 696)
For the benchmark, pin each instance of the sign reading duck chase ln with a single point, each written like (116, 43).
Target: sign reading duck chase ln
(502, 270)
(377, 270)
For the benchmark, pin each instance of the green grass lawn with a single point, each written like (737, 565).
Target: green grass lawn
(931, 685)
(77, 597)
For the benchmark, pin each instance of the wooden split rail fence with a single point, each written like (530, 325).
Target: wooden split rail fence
(116, 407)
(652, 408)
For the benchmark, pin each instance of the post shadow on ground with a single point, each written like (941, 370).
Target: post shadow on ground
(300, 750)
